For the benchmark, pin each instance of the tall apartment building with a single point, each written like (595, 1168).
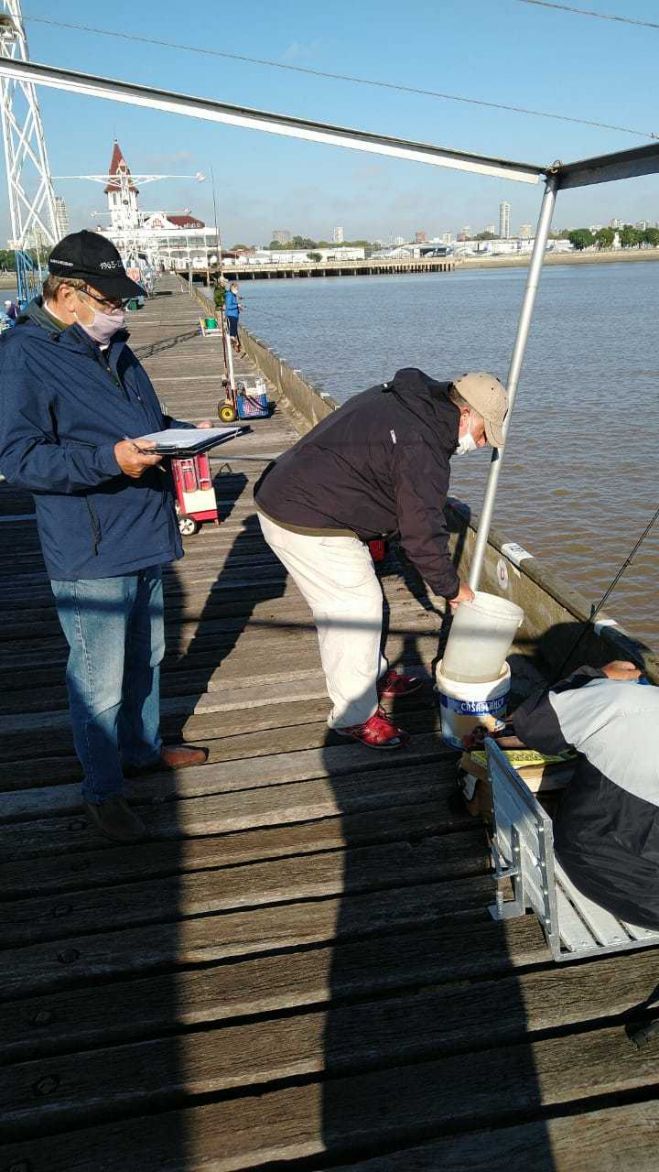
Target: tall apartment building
(504, 220)
(282, 235)
(61, 217)
(337, 236)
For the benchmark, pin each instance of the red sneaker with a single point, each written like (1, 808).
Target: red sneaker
(392, 685)
(377, 732)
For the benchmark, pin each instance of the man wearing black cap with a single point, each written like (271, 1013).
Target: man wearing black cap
(72, 392)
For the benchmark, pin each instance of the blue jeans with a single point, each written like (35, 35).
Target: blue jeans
(115, 631)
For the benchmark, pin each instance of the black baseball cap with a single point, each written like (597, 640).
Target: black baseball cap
(93, 258)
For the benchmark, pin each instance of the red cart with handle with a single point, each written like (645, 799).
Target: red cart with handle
(195, 495)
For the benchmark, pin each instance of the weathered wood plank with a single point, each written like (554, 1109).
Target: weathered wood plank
(276, 806)
(205, 637)
(199, 727)
(360, 1112)
(222, 743)
(235, 666)
(236, 549)
(152, 1006)
(249, 695)
(218, 575)
(108, 863)
(312, 876)
(335, 761)
(41, 967)
(615, 1139)
(339, 1040)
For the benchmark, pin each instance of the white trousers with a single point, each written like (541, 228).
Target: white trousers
(336, 577)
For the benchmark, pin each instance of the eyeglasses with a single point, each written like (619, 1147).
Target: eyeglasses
(111, 302)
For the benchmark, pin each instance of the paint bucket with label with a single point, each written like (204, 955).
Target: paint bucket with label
(481, 635)
(463, 706)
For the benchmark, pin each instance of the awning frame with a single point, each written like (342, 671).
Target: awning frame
(558, 176)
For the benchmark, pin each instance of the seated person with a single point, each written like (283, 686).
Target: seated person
(606, 833)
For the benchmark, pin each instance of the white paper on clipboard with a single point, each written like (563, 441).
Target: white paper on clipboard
(190, 440)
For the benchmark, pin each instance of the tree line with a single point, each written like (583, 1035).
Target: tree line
(305, 242)
(628, 236)
(8, 259)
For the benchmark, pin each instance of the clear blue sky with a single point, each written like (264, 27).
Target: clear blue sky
(498, 50)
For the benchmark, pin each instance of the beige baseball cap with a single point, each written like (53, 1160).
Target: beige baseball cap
(486, 395)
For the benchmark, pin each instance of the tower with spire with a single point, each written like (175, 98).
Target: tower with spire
(122, 194)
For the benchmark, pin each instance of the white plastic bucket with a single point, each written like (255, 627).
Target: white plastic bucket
(481, 636)
(463, 706)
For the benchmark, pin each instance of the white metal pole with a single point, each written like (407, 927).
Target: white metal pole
(286, 124)
(526, 313)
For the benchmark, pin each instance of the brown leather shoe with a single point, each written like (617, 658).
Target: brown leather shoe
(115, 819)
(182, 756)
(171, 757)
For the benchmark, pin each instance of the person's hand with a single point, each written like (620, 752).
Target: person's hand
(134, 456)
(621, 669)
(504, 737)
(205, 423)
(474, 739)
(465, 594)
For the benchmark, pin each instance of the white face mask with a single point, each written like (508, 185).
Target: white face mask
(466, 443)
(104, 326)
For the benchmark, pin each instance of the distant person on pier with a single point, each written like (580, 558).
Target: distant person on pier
(378, 467)
(72, 394)
(232, 311)
(219, 294)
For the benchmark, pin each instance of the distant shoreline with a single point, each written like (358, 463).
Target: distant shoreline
(560, 258)
(8, 280)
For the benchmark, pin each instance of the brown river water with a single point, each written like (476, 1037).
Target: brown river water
(580, 481)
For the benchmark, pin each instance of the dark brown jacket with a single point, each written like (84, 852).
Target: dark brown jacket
(378, 466)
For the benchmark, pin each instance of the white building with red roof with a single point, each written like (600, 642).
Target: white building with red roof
(169, 240)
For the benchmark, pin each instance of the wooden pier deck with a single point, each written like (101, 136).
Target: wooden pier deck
(297, 970)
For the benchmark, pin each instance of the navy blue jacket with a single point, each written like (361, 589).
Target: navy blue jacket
(64, 404)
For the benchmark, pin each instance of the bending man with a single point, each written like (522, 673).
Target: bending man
(378, 467)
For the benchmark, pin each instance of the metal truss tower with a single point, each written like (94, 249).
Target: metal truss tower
(31, 198)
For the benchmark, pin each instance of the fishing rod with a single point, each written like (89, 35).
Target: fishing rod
(596, 607)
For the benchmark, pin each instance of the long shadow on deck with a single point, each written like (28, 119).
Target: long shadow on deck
(202, 636)
(425, 1040)
(98, 934)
